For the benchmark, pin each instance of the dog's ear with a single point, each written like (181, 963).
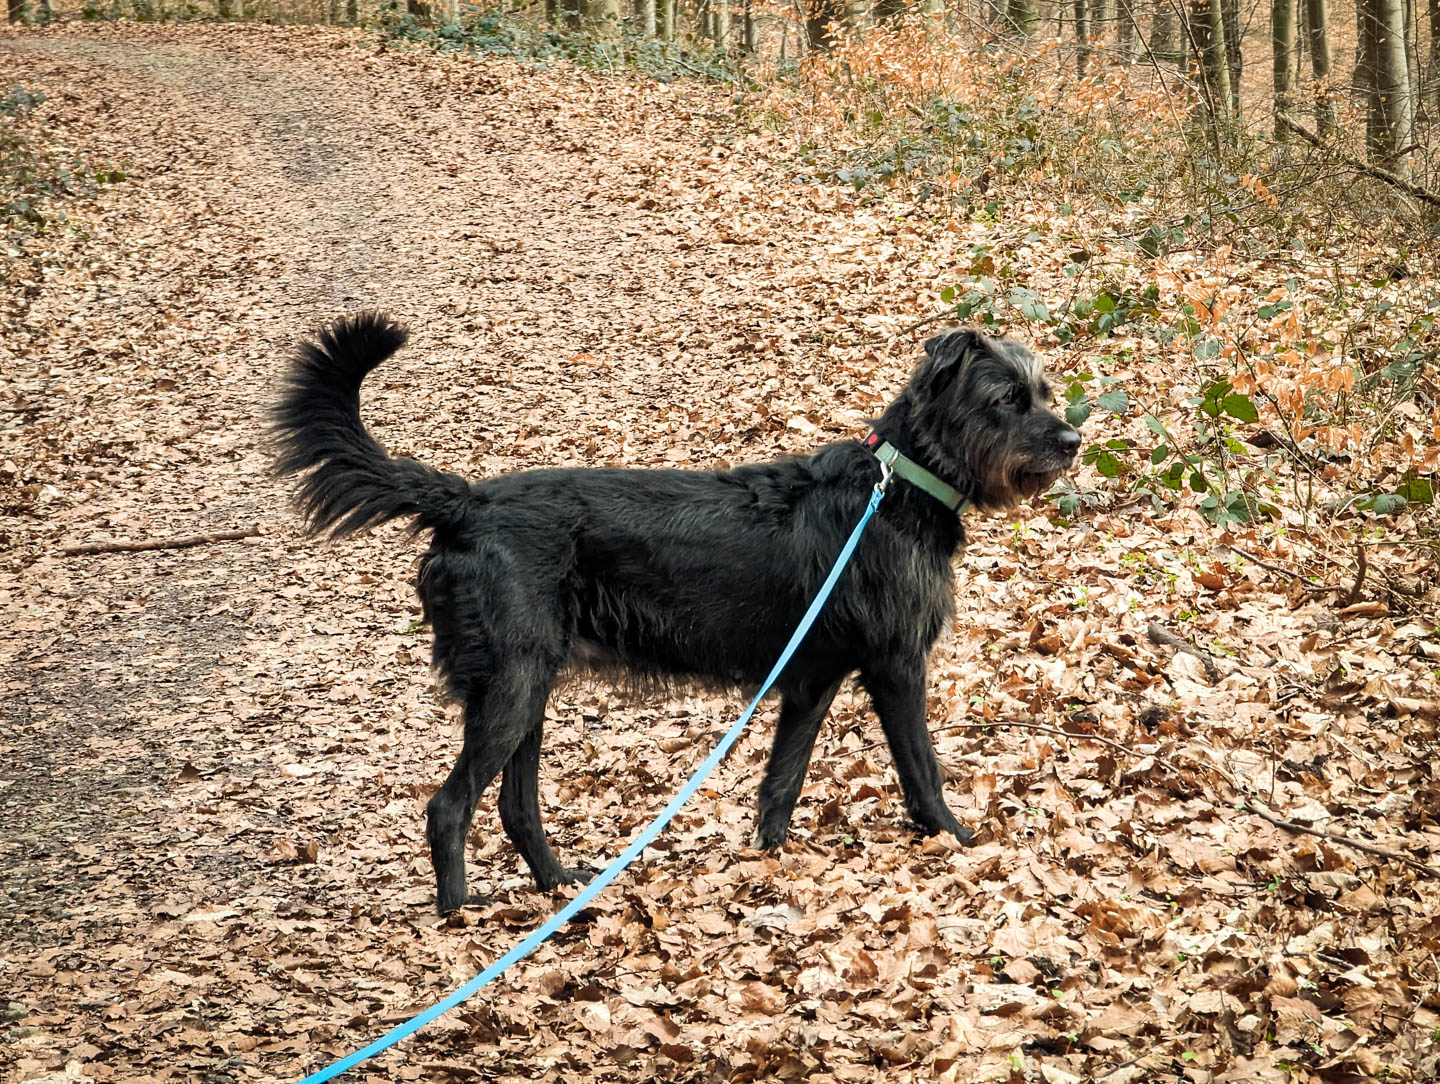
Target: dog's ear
(944, 355)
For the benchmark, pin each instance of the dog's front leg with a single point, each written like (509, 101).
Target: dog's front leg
(801, 714)
(898, 693)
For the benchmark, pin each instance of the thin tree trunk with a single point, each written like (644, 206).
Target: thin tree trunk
(647, 17)
(1164, 32)
(1412, 55)
(1390, 101)
(1212, 56)
(721, 9)
(1082, 36)
(1282, 48)
(1318, 20)
(667, 19)
(1022, 16)
(751, 39)
(820, 16)
(15, 9)
(1435, 52)
(1102, 19)
(1126, 31)
(1234, 56)
(352, 12)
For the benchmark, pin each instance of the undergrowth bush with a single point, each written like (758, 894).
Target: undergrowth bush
(1253, 332)
(505, 32)
(35, 176)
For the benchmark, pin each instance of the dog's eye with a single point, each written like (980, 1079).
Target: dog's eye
(1017, 398)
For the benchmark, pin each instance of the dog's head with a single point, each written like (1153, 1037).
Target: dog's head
(981, 413)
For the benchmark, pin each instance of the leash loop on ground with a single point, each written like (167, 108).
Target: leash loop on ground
(644, 839)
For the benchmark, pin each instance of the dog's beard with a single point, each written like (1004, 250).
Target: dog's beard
(1031, 483)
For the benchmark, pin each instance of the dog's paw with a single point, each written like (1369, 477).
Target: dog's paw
(767, 839)
(951, 825)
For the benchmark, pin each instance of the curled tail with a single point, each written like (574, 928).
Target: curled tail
(352, 484)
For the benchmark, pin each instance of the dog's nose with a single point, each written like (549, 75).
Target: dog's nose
(1069, 441)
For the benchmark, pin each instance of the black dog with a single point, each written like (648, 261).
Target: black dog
(698, 574)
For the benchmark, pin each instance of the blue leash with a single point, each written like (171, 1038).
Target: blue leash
(653, 829)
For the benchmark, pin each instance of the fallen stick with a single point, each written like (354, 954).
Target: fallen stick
(1335, 837)
(1160, 635)
(180, 543)
(1409, 187)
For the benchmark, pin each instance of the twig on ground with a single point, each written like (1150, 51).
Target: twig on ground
(917, 325)
(1336, 837)
(182, 542)
(1278, 569)
(1160, 635)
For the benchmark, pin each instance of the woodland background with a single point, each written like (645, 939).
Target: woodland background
(1190, 698)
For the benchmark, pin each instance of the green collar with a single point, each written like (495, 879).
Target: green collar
(915, 474)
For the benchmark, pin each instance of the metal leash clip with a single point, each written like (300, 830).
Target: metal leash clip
(886, 473)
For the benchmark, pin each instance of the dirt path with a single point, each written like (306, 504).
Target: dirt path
(185, 728)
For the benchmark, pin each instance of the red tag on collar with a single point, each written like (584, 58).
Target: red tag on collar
(872, 440)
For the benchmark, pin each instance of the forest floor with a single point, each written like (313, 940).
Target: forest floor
(214, 761)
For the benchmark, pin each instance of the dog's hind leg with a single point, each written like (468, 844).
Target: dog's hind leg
(497, 722)
(898, 692)
(520, 814)
(801, 713)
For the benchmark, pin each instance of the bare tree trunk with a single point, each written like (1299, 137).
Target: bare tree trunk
(1102, 19)
(1212, 57)
(1022, 16)
(1126, 31)
(820, 16)
(15, 10)
(646, 12)
(603, 15)
(1282, 48)
(419, 10)
(751, 39)
(1412, 55)
(1390, 101)
(1318, 19)
(352, 12)
(1082, 36)
(225, 8)
(722, 23)
(1234, 56)
(1435, 52)
(1165, 32)
(667, 19)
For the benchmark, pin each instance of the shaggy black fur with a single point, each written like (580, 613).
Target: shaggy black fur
(699, 574)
